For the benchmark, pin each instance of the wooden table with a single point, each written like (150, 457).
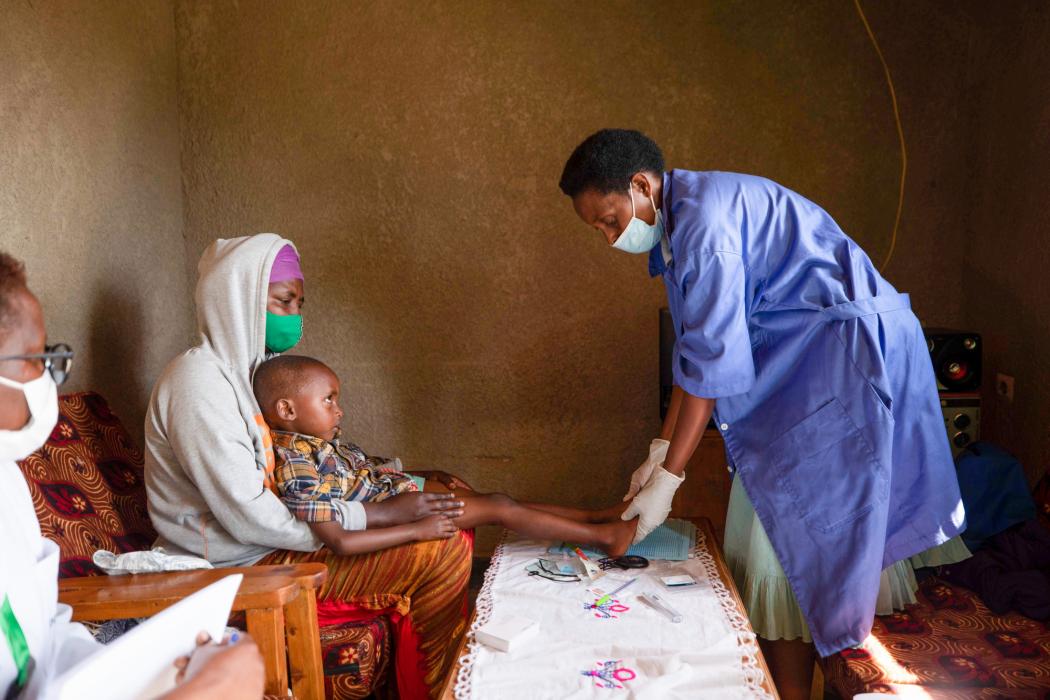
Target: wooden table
(703, 525)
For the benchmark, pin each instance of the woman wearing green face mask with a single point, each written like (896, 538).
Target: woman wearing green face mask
(284, 302)
(209, 466)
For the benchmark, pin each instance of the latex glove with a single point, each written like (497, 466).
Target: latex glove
(641, 476)
(653, 502)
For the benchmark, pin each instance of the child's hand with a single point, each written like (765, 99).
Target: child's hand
(410, 507)
(435, 527)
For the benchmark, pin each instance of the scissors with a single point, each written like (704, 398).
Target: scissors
(629, 561)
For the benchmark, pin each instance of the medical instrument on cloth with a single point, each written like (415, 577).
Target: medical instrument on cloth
(655, 601)
(678, 581)
(609, 595)
(545, 568)
(589, 567)
(628, 561)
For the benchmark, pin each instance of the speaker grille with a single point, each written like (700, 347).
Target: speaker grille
(956, 357)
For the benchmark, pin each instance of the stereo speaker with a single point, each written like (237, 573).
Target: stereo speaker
(956, 357)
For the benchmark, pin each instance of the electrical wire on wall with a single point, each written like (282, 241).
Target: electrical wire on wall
(900, 134)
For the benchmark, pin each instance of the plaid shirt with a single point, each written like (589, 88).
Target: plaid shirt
(312, 472)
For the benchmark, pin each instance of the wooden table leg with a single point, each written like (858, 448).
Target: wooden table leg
(266, 625)
(304, 647)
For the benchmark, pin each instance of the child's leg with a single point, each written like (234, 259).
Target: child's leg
(582, 515)
(497, 509)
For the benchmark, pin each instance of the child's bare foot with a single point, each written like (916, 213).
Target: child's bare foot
(620, 536)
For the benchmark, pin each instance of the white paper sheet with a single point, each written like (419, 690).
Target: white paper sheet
(138, 665)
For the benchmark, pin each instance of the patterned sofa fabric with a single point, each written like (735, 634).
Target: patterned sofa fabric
(87, 486)
(88, 491)
(948, 646)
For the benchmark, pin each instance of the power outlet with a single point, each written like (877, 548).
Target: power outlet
(1004, 386)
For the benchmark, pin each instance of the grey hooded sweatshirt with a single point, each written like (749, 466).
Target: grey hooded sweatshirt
(205, 453)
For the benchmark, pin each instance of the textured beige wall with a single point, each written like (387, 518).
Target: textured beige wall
(89, 185)
(1006, 280)
(412, 151)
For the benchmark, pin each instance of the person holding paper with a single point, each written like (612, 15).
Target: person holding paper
(38, 642)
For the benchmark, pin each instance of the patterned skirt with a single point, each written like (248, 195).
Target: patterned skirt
(424, 582)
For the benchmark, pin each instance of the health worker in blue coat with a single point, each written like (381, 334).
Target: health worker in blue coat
(815, 370)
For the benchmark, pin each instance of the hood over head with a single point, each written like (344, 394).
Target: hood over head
(232, 289)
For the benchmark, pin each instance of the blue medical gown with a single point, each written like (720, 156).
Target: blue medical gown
(825, 392)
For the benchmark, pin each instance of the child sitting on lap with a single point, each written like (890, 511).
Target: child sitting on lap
(315, 473)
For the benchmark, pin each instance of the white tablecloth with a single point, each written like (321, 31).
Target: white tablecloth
(612, 653)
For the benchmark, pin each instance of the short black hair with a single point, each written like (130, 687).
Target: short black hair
(281, 377)
(12, 280)
(608, 159)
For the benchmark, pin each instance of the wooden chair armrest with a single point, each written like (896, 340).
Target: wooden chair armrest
(311, 575)
(144, 595)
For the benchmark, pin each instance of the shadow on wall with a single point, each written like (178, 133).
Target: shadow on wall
(1010, 329)
(114, 356)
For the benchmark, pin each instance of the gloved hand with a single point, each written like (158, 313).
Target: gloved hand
(641, 476)
(653, 502)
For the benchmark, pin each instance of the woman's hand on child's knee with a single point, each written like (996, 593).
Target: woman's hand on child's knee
(435, 527)
(410, 507)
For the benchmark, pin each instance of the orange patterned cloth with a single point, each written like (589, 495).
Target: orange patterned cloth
(948, 646)
(425, 582)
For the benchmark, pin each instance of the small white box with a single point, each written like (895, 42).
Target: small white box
(678, 580)
(506, 633)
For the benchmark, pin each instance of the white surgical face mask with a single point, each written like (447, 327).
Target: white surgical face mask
(42, 396)
(640, 237)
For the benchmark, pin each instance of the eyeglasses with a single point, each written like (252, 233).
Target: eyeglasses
(545, 568)
(58, 360)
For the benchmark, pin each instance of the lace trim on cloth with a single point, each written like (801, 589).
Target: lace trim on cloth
(754, 676)
(482, 613)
